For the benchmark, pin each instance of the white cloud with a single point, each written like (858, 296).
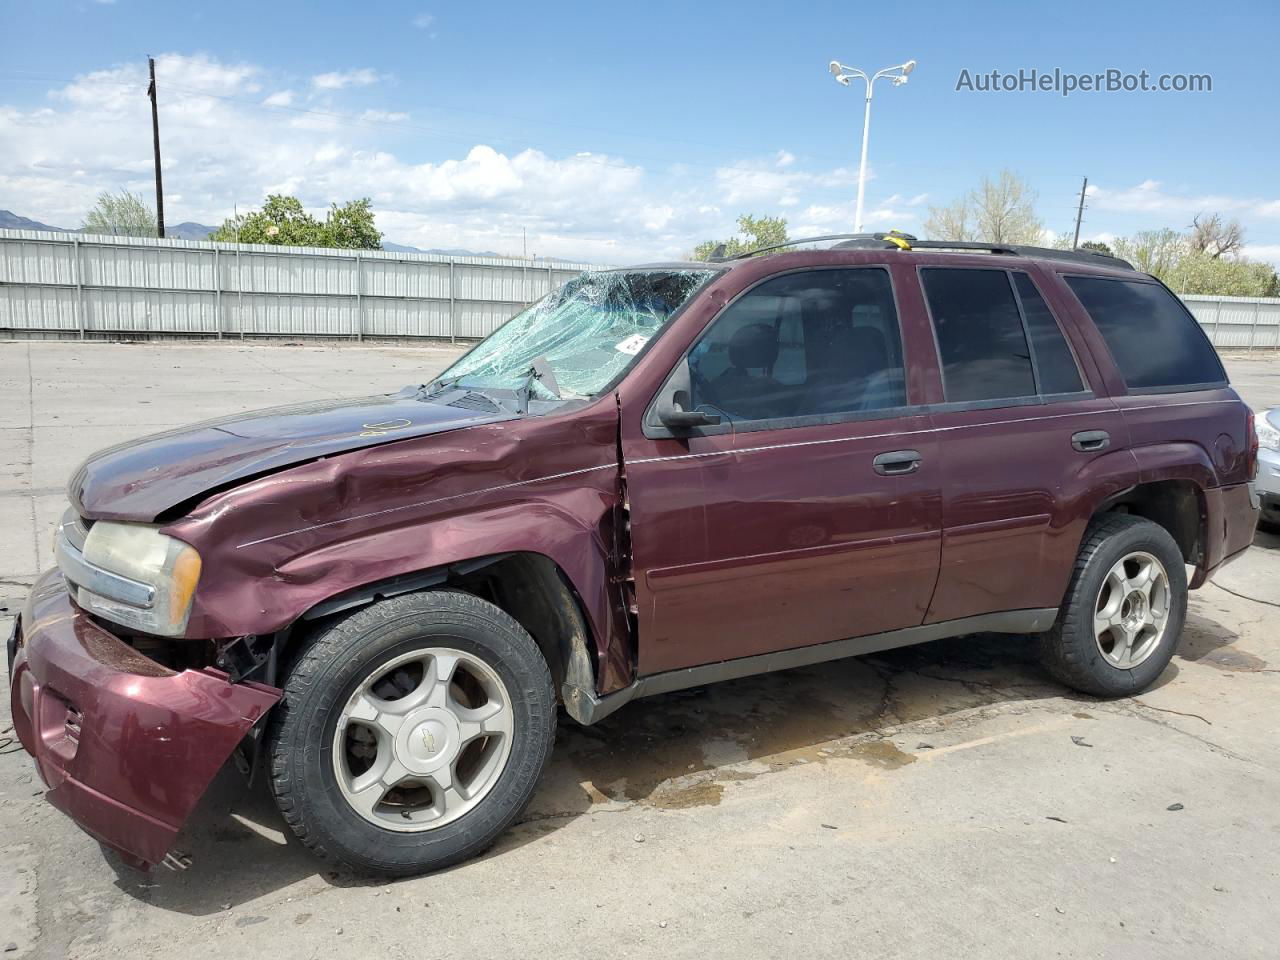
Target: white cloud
(227, 151)
(423, 20)
(383, 116)
(1263, 251)
(340, 80)
(773, 182)
(1150, 196)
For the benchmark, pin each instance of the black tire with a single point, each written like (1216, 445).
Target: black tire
(1070, 651)
(329, 670)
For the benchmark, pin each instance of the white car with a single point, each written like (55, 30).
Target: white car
(1268, 482)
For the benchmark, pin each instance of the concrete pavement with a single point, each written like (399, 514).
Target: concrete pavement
(942, 800)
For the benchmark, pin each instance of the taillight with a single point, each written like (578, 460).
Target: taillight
(1252, 444)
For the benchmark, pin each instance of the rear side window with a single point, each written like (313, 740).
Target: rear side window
(981, 341)
(1055, 363)
(1154, 340)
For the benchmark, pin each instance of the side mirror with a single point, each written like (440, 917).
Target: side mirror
(674, 407)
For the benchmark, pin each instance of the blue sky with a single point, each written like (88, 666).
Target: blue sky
(616, 132)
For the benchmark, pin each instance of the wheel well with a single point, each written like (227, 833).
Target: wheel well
(530, 587)
(1176, 505)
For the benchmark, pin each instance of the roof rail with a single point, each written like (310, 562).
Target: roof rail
(887, 244)
(1023, 250)
(893, 240)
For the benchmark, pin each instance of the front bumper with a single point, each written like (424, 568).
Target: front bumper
(126, 746)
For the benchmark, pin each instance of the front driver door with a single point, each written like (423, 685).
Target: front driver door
(812, 511)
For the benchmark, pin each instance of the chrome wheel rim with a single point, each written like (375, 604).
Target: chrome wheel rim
(423, 739)
(1132, 610)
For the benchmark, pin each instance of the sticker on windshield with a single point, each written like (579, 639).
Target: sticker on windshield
(632, 345)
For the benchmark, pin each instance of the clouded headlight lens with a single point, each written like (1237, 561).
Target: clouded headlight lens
(142, 553)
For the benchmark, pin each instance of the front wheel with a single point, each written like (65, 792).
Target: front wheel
(1123, 612)
(412, 733)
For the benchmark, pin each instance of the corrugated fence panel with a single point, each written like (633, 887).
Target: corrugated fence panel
(68, 282)
(24, 261)
(147, 311)
(269, 315)
(390, 317)
(1238, 323)
(37, 308)
(60, 282)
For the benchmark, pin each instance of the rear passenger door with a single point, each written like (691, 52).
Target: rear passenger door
(1019, 429)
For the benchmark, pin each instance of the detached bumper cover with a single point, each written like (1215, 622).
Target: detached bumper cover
(125, 745)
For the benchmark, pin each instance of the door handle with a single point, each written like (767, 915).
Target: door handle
(1090, 441)
(897, 463)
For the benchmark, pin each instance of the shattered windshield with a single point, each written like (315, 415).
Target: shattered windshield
(586, 333)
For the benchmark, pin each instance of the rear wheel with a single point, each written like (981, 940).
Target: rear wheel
(412, 733)
(1124, 610)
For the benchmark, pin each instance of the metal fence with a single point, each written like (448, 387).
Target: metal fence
(73, 284)
(76, 284)
(1238, 323)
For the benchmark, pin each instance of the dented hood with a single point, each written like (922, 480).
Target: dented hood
(142, 479)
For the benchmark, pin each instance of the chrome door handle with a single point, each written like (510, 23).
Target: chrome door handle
(897, 463)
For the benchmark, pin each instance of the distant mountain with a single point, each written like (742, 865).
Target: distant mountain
(10, 220)
(439, 251)
(188, 231)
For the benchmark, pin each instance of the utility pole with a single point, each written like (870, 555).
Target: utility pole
(155, 134)
(1080, 213)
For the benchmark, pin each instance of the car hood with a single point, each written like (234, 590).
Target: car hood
(142, 479)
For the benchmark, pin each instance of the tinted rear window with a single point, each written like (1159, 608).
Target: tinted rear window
(1154, 340)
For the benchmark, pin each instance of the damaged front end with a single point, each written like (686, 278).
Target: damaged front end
(126, 745)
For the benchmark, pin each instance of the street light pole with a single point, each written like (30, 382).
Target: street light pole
(862, 167)
(843, 75)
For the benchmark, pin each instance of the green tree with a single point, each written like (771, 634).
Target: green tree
(283, 221)
(1097, 246)
(757, 231)
(1181, 262)
(122, 214)
(1000, 209)
(351, 226)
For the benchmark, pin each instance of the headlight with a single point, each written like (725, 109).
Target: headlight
(1268, 436)
(143, 556)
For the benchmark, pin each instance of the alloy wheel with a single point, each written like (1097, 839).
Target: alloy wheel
(423, 739)
(1132, 610)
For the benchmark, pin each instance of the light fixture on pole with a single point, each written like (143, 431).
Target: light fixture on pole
(898, 74)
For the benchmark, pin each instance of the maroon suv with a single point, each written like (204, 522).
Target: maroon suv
(655, 478)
